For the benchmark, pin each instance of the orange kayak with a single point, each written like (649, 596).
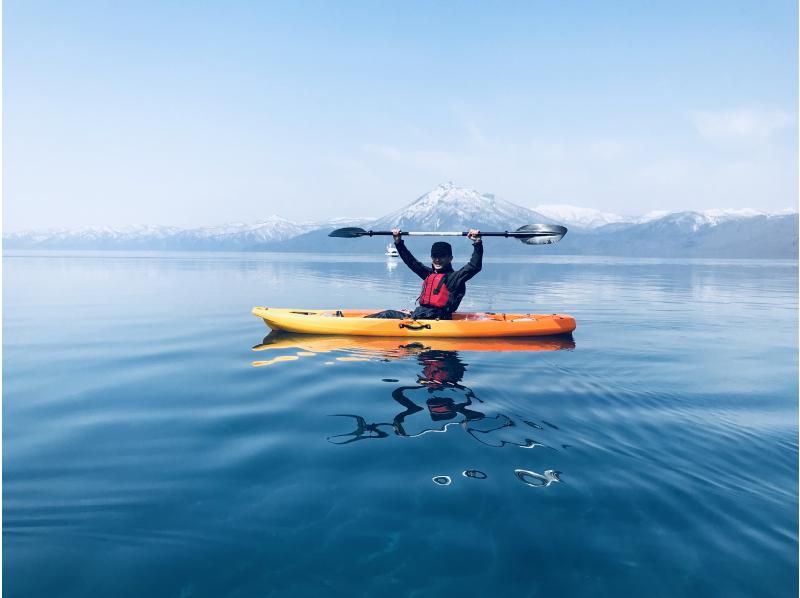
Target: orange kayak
(351, 322)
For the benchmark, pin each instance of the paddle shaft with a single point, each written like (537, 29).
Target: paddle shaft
(462, 234)
(530, 234)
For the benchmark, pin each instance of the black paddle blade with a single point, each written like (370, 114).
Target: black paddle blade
(540, 234)
(350, 232)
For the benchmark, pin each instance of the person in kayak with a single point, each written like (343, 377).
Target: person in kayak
(443, 288)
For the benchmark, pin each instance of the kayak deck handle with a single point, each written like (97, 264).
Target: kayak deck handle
(415, 326)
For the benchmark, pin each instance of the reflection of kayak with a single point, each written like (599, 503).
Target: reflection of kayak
(399, 347)
(352, 322)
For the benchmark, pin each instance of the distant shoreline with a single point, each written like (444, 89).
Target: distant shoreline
(564, 258)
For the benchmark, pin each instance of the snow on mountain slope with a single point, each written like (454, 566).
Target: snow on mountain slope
(94, 233)
(448, 207)
(273, 228)
(716, 232)
(574, 216)
(708, 218)
(588, 218)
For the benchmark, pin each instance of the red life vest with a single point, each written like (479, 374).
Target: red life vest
(434, 292)
(435, 371)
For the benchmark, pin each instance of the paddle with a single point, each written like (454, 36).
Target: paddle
(530, 234)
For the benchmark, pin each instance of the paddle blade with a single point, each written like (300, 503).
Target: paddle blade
(350, 232)
(540, 234)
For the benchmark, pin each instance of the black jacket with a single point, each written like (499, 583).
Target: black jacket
(454, 280)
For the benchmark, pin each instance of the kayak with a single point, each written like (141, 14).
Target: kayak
(393, 347)
(351, 322)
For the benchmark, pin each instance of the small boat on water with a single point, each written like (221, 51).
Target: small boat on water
(391, 250)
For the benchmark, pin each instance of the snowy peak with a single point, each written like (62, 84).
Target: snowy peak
(707, 233)
(588, 218)
(458, 208)
(229, 236)
(273, 228)
(717, 216)
(707, 218)
(574, 216)
(93, 234)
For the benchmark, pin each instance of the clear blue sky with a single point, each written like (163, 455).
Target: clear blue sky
(193, 113)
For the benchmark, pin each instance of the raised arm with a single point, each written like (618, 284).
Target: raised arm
(408, 258)
(475, 263)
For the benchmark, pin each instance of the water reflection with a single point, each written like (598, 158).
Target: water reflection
(440, 394)
(438, 387)
(378, 347)
(537, 480)
(438, 400)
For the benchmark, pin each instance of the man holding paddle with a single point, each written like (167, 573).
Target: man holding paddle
(443, 288)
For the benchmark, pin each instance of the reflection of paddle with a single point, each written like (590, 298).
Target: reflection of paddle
(530, 234)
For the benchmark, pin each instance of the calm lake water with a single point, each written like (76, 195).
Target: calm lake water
(149, 450)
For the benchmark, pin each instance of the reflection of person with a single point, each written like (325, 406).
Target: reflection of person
(440, 382)
(441, 373)
(441, 370)
(443, 288)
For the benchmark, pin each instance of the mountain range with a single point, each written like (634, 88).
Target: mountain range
(712, 233)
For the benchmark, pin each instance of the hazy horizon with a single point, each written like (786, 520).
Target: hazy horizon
(201, 115)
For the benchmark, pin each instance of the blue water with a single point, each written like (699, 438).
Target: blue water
(145, 455)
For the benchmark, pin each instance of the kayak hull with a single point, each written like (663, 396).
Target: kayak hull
(351, 322)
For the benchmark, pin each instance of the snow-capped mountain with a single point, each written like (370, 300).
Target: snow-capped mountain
(587, 218)
(242, 236)
(695, 234)
(709, 233)
(712, 217)
(93, 233)
(576, 217)
(229, 236)
(448, 207)
(272, 228)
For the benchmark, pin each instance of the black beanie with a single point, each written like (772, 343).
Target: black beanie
(441, 249)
